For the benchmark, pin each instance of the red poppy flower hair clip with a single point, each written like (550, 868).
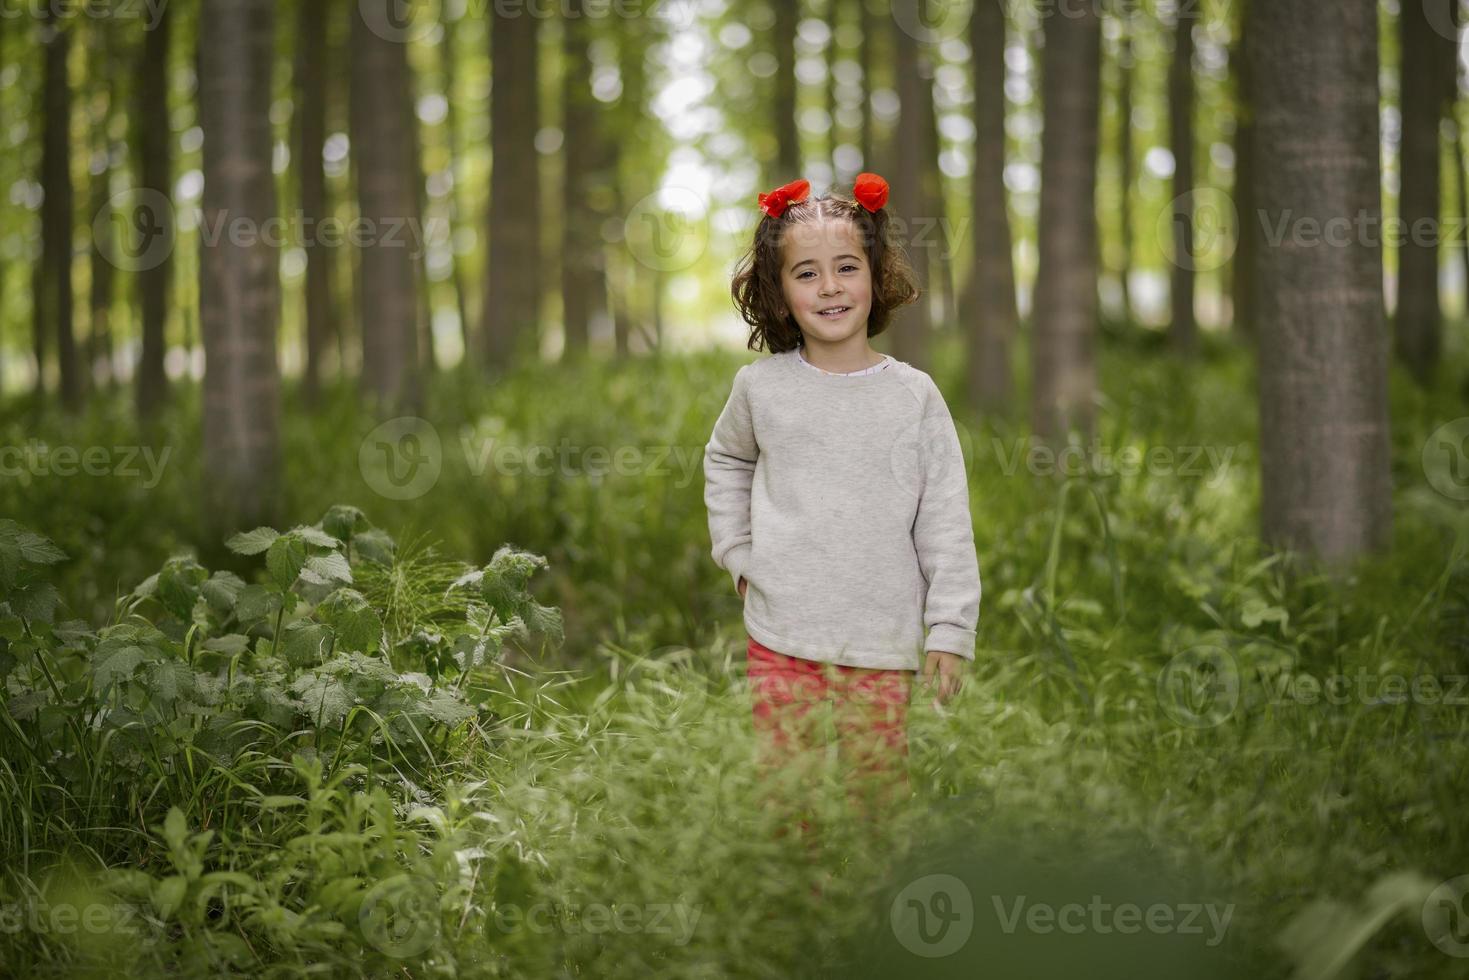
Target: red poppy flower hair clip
(776, 202)
(871, 191)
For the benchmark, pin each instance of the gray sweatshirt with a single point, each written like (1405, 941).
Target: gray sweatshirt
(843, 501)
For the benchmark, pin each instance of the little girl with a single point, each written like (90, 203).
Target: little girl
(837, 496)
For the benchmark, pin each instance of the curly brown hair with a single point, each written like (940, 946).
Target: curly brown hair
(756, 287)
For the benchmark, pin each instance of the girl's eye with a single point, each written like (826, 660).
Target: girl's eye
(844, 268)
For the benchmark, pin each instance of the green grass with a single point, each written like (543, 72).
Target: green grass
(611, 782)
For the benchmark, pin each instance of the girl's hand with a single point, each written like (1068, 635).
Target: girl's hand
(947, 669)
(743, 585)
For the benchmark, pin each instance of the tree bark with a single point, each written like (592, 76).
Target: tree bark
(312, 54)
(1065, 310)
(1419, 316)
(239, 284)
(581, 274)
(1326, 484)
(912, 325)
(448, 65)
(1247, 228)
(154, 276)
(992, 319)
(387, 203)
(512, 275)
(788, 144)
(55, 302)
(100, 294)
(1126, 168)
(1183, 330)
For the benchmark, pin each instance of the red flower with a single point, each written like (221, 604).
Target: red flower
(774, 203)
(871, 190)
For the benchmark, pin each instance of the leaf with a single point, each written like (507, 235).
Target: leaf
(23, 706)
(252, 542)
(285, 559)
(316, 536)
(1256, 611)
(222, 591)
(178, 585)
(324, 699)
(356, 623)
(327, 569)
(36, 602)
(30, 546)
(341, 521)
(444, 708)
(114, 663)
(375, 546)
(256, 602)
(170, 680)
(168, 895)
(304, 643)
(229, 644)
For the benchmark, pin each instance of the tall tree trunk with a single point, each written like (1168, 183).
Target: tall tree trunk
(911, 327)
(419, 235)
(448, 66)
(155, 180)
(1418, 318)
(1126, 168)
(386, 200)
(312, 53)
(1247, 228)
(1065, 311)
(100, 73)
(1325, 478)
(787, 163)
(934, 230)
(1183, 331)
(239, 284)
(870, 28)
(992, 319)
(580, 234)
(833, 23)
(55, 300)
(512, 276)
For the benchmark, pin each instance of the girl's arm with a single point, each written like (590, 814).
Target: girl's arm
(729, 470)
(943, 536)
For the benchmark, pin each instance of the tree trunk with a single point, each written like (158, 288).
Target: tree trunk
(312, 52)
(387, 203)
(448, 65)
(155, 181)
(55, 299)
(512, 275)
(1325, 478)
(1247, 227)
(1183, 330)
(788, 144)
(1065, 310)
(870, 27)
(1126, 168)
(912, 325)
(934, 229)
(239, 284)
(991, 322)
(580, 234)
(101, 73)
(1418, 318)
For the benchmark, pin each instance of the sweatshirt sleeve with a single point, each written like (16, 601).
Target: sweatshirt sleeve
(729, 471)
(943, 535)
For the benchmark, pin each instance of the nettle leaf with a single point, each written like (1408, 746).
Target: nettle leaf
(24, 706)
(354, 621)
(316, 536)
(360, 665)
(304, 643)
(116, 662)
(170, 680)
(327, 569)
(446, 708)
(375, 546)
(178, 585)
(256, 602)
(322, 698)
(342, 521)
(229, 644)
(222, 591)
(284, 559)
(252, 542)
(33, 548)
(36, 602)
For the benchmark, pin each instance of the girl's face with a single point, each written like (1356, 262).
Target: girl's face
(826, 279)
